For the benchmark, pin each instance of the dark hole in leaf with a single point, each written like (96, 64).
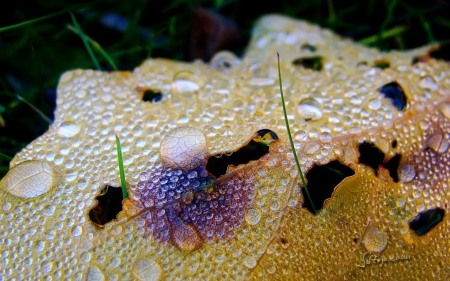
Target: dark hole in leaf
(322, 181)
(283, 241)
(426, 221)
(441, 52)
(415, 60)
(109, 205)
(361, 63)
(370, 155)
(314, 63)
(151, 96)
(355, 240)
(255, 149)
(308, 47)
(392, 166)
(396, 94)
(382, 64)
(394, 144)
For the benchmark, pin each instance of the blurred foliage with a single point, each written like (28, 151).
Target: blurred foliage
(38, 41)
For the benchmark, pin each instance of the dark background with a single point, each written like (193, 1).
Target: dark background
(34, 54)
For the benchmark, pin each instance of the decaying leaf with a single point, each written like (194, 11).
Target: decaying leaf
(387, 221)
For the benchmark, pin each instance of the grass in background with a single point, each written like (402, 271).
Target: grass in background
(36, 46)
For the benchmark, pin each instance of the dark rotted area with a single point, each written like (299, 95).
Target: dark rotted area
(313, 62)
(372, 156)
(426, 221)
(255, 149)
(396, 94)
(151, 96)
(109, 205)
(322, 180)
(217, 165)
(382, 64)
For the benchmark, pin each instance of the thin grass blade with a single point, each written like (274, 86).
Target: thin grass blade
(121, 170)
(290, 138)
(48, 120)
(85, 42)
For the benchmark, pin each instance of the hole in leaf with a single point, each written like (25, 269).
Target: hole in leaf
(109, 205)
(362, 63)
(308, 47)
(392, 166)
(254, 150)
(322, 180)
(396, 94)
(151, 96)
(283, 240)
(394, 144)
(382, 64)
(314, 63)
(426, 221)
(370, 155)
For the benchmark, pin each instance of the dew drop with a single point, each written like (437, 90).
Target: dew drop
(146, 270)
(309, 109)
(29, 179)
(407, 173)
(375, 240)
(182, 86)
(438, 143)
(77, 231)
(224, 60)
(444, 108)
(261, 81)
(253, 216)
(183, 148)
(427, 82)
(249, 262)
(6, 206)
(94, 274)
(325, 137)
(68, 129)
(375, 104)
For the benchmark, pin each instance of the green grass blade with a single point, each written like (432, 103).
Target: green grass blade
(85, 42)
(5, 157)
(48, 120)
(121, 170)
(290, 138)
(96, 46)
(24, 23)
(391, 6)
(395, 31)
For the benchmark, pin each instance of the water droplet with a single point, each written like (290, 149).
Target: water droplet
(427, 82)
(249, 262)
(445, 109)
(438, 143)
(147, 270)
(68, 129)
(253, 216)
(407, 173)
(375, 104)
(46, 267)
(261, 81)
(66, 77)
(183, 148)
(224, 60)
(29, 179)
(309, 109)
(94, 274)
(325, 137)
(77, 231)
(6, 206)
(375, 240)
(184, 86)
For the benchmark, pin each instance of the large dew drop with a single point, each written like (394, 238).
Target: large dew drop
(183, 148)
(438, 143)
(29, 179)
(375, 240)
(94, 274)
(146, 270)
(68, 129)
(309, 109)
